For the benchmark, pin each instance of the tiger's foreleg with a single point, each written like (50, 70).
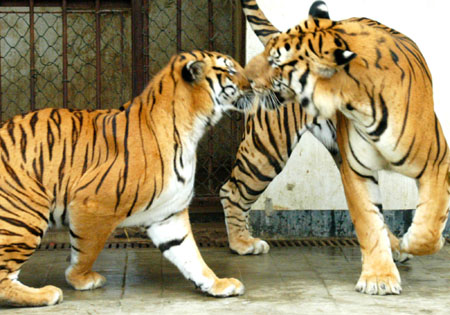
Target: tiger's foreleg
(424, 236)
(173, 236)
(379, 273)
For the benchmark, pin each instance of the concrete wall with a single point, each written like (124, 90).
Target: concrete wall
(310, 180)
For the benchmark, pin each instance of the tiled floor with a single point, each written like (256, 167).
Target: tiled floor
(305, 280)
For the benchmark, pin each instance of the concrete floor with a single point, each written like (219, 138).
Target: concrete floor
(305, 280)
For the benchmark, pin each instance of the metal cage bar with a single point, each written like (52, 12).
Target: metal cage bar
(91, 41)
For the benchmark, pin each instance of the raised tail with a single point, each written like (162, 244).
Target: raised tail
(258, 21)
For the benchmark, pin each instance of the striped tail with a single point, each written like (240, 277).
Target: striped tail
(258, 21)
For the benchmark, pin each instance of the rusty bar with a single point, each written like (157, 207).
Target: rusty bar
(105, 4)
(98, 63)
(32, 61)
(137, 50)
(242, 43)
(210, 25)
(233, 116)
(178, 26)
(145, 39)
(122, 58)
(1, 94)
(64, 56)
(211, 132)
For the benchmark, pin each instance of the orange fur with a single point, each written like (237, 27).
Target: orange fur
(378, 82)
(93, 170)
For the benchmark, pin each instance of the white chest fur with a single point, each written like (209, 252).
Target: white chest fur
(179, 190)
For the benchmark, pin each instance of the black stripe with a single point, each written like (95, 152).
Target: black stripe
(264, 33)
(160, 158)
(310, 45)
(395, 60)
(405, 118)
(377, 61)
(75, 248)
(287, 131)
(56, 118)
(72, 233)
(347, 70)
(147, 207)
(50, 140)
(23, 143)
(4, 148)
(272, 138)
(355, 157)
(10, 129)
(167, 245)
(261, 148)
(33, 122)
(11, 173)
(256, 172)
(425, 166)
(246, 5)
(234, 203)
(438, 141)
(403, 160)
(253, 19)
(33, 230)
(8, 233)
(248, 190)
(382, 125)
(373, 179)
(134, 201)
(419, 60)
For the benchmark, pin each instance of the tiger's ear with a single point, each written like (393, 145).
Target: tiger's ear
(319, 10)
(327, 67)
(343, 57)
(193, 71)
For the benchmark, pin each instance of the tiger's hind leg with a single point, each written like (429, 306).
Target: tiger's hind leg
(236, 208)
(22, 225)
(173, 236)
(88, 234)
(424, 236)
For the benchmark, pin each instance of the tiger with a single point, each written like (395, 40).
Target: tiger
(267, 144)
(95, 170)
(376, 82)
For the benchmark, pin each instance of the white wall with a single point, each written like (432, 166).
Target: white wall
(310, 180)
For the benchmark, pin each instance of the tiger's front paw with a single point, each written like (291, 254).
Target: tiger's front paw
(249, 246)
(226, 287)
(376, 283)
(86, 281)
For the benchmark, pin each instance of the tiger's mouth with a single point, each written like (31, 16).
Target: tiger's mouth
(275, 96)
(245, 101)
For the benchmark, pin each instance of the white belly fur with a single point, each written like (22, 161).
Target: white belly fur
(174, 198)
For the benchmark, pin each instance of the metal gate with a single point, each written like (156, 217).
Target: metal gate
(92, 54)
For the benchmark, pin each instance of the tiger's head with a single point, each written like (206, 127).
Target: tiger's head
(216, 81)
(293, 62)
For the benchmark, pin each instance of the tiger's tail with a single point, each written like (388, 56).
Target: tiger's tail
(258, 21)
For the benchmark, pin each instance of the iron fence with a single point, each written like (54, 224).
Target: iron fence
(92, 54)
